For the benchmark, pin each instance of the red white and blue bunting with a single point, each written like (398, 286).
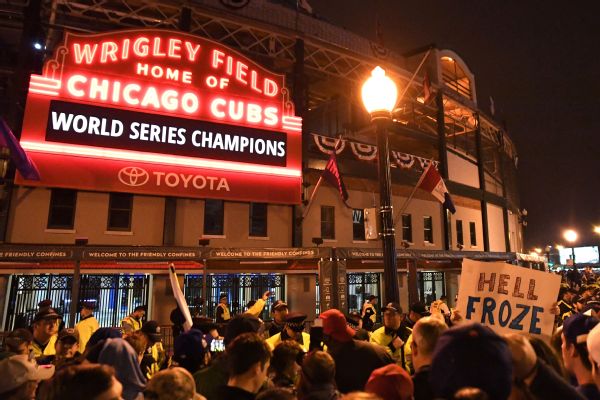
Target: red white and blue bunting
(367, 152)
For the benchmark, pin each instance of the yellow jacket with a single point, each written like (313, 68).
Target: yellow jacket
(130, 324)
(274, 340)
(49, 350)
(402, 355)
(225, 316)
(257, 308)
(85, 328)
(158, 353)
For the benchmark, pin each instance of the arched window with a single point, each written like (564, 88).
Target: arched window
(456, 77)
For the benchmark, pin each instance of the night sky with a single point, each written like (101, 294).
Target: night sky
(541, 66)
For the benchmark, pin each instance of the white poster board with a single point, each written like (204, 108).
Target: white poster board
(507, 298)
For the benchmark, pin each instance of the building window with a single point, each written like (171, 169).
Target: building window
(258, 219)
(428, 229)
(358, 224)
(459, 233)
(407, 227)
(327, 222)
(62, 209)
(473, 233)
(213, 217)
(120, 206)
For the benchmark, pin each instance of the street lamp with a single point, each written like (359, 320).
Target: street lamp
(379, 96)
(597, 229)
(571, 236)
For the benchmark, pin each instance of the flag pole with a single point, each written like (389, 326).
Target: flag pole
(405, 205)
(414, 75)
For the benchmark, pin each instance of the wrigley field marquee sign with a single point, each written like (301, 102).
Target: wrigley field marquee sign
(165, 113)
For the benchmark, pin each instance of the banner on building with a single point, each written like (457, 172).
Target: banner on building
(508, 298)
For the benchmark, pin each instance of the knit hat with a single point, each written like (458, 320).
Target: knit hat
(189, 350)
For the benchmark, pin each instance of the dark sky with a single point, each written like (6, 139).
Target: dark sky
(541, 66)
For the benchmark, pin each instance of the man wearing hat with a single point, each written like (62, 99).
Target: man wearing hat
(155, 352)
(87, 325)
(575, 353)
(66, 349)
(223, 314)
(369, 313)
(565, 303)
(354, 359)
(133, 322)
(19, 377)
(280, 310)
(45, 329)
(293, 330)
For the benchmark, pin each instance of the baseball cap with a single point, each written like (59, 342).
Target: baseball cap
(390, 383)
(593, 344)
(334, 325)
(577, 327)
(16, 370)
(419, 308)
(279, 304)
(457, 362)
(295, 321)
(90, 305)
(189, 350)
(393, 306)
(152, 330)
(46, 313)
(69, 333)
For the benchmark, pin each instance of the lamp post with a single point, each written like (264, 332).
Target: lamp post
(379, 95)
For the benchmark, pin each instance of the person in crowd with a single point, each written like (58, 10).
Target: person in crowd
(118, 354)
(354, 359)
(256, 308)
(155, 355)
(249, 360)
(444, 306)
(172, 384)
(208, 328)
(66, 350)
(223, 314)
(593, 346)
(286, 364)
(177, 319)
(317, 379)
(586, 293)
(17, 342)
(280, 310)
(355, 322)
(425, 335)
(575, 353)
(360, 396)
(208, 380)
(191, 351)
(471, 355)
(565, 303)
(139, 342)
(19, 377)
(85, 381)
(532, 377)
(369, 313)
(276, 394)
(546, 354)
(133, 322)
(99, 337)
(87, 325)
(45, 330)
(390, 383)
(293, 330)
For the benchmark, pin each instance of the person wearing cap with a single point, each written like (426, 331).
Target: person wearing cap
(593, 346)
(390, 383)
(19, 377)
(257, 307)
(369, 313)
(354, 359)
(565, 304)
(66, 349)
(87, 325)
(172, 384)
(393, 336)
(191, 351)
(223, 314)
(575, 353)
(45, 330)
(280, 310)
(355, 322)
(155, 352)
(293, 330)
(133, 322)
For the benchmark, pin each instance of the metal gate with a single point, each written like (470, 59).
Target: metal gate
(192, 289)
(361, 285)
(115, 296)
(241, 288)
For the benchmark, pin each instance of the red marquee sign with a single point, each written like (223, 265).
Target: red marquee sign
(164, 113)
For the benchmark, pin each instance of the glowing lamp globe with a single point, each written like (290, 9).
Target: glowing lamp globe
(379, 93)
(570, 235)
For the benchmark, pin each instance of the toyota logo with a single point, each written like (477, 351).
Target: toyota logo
(133, 176)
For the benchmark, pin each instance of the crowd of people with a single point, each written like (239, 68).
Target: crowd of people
(427, 352)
